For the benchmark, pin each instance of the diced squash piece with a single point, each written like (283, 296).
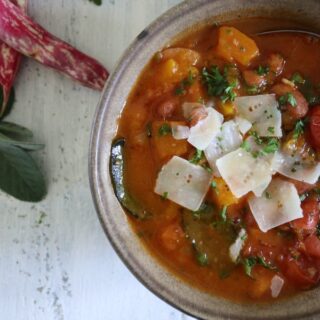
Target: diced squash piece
(227, 108)
(185, 57)
(167, 70)
(233, 45)
(165, 146)
(221, 194)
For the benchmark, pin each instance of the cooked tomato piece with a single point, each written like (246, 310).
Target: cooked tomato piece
(314, 125)
(308, 223)
(253, 79)
(312, 245)
(300, 107)
(276, 63)
(166, 108)
(301, 272)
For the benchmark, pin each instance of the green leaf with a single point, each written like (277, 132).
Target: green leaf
(297, 78)
(15, 131)
(96, 2)
(10, 102)
(246, 146)
(29, 146)
(19, 175)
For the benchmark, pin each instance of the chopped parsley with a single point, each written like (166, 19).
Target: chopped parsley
(165, 129)
(197, 157)
(297, 78)
(298, 129)
(165, 196)
(213, 185)
(271, 130)
(288, 98)
(261, 71)
(218, 85)
(250, 262)
(272, 146)
(202, 259)
(187, 82)
(223, 213)
(246, 146)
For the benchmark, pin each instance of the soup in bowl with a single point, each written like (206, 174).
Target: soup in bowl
(215, 161)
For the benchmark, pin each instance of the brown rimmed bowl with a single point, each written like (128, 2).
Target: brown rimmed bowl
(113, 219)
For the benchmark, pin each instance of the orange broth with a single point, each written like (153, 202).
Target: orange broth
(163, 233)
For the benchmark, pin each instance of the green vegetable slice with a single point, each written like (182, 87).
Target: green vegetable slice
(210, 241)
(117, 175)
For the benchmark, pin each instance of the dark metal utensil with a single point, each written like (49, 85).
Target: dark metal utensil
(309, 33)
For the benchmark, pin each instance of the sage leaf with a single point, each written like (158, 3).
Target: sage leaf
(9, 105)
(16, 131)
(29, 146)
(20, 177)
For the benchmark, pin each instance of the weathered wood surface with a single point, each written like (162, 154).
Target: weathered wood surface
(55, 260)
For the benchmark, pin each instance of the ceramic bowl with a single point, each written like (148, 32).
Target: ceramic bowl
(114, 221)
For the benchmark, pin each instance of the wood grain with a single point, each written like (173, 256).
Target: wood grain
(55, 261)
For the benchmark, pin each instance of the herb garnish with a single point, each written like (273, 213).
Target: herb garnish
(246, 146)
(250, 262)
(187, 82)
(165, 195)
(297, 78)
(271, 130)
(165, 129)
(197, 157)
(298, 129)
(223, 214)
(288, 98)
(261, 71)
(218, 85)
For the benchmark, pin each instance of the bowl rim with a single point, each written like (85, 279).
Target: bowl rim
(96, 132)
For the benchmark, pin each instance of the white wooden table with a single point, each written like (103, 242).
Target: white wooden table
(55, 261)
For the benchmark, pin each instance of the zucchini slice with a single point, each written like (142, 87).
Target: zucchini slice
(117, 174)
(210, 239)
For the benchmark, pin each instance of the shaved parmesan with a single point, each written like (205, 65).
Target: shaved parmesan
(236, 247)
(183, 183)
(205, 130)
(262, 111)
(276, 286)
(243, 172)
(293, 167)
(227, 140)
(281, 206)
(243, 124)
(261, 188)
(180, 132)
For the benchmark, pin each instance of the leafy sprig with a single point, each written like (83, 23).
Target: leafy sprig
(20, 176)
